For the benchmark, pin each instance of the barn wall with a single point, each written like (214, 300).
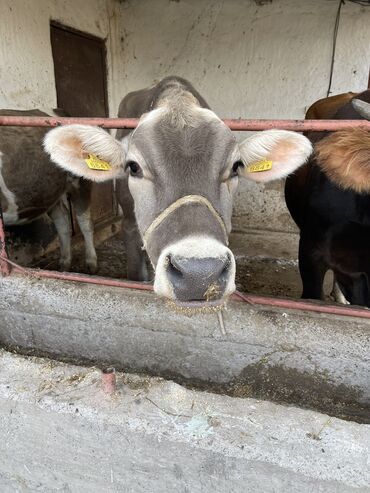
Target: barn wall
(269, 61)
(26, 63)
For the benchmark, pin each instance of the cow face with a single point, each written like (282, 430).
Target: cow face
(183, 165)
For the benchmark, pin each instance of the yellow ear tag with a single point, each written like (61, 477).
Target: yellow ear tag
(94, 162)
(259, 166)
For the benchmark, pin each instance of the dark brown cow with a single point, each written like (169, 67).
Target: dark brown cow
(30, 187)
(181, 167)
(329, 199)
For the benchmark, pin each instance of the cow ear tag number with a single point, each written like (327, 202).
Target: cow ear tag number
(259, 166)
(94, 162)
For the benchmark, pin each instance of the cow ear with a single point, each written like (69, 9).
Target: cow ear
(273, 154)
(85, 151)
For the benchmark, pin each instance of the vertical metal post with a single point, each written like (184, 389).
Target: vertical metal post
(4, 266)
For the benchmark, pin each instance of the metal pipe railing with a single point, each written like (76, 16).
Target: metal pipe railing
(6, 266)
(251, 299)
(233, 124)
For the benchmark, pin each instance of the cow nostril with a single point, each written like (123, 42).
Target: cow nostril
(173, 268)
(226, 267)
(227, 264)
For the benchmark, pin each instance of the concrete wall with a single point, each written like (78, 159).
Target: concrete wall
(26, 63)
(269, 61)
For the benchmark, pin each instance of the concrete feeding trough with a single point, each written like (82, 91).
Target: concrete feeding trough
(310, 359)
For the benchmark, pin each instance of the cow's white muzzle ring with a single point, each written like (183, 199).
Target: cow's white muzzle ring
(187, 199)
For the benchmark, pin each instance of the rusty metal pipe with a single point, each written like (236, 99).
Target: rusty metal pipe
(289, 304)
(109, 381)
(297, 125)
(233, 124)
(72, 276)
(304, 305)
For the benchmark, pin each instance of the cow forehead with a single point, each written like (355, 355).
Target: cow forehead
(180, 114)
(197, 132)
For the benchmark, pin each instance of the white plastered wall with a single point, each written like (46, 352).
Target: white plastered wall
(26, 63)
(266, 61)
(250, 61)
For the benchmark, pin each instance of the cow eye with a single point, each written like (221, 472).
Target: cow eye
(234, 169)
(134, 169)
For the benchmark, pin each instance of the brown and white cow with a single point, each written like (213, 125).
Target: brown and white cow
(178, 171)
(329, 199)
(30, 187)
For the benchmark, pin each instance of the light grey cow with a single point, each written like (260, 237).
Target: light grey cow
(178, 171)
(31, 186)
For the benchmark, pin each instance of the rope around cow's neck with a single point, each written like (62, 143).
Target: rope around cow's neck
(187, 199)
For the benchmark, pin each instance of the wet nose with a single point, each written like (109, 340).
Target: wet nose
(198, 278)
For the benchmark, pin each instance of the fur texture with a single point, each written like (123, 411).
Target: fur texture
(344, 156)
(182, 110)
(179, 104)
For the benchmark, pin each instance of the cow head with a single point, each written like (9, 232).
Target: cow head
(183, 166)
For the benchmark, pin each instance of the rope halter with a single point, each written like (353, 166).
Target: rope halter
(187, 199)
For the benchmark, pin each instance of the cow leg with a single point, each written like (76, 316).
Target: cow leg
(337, 293)
(312, 268)
(59, 214)
(137, 269)
(80, 193)
(360, 294)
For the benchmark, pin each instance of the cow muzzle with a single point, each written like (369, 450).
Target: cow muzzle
(197, 270)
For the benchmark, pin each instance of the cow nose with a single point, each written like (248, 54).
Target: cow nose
(202, 278)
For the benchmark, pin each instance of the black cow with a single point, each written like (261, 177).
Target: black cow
(329, 199)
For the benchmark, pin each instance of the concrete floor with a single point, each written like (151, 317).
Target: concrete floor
(61, 432)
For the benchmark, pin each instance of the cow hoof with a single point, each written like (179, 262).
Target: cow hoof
(138, 277)
(337, 296)
(138, 273)
(65, 266)
(91, 267)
